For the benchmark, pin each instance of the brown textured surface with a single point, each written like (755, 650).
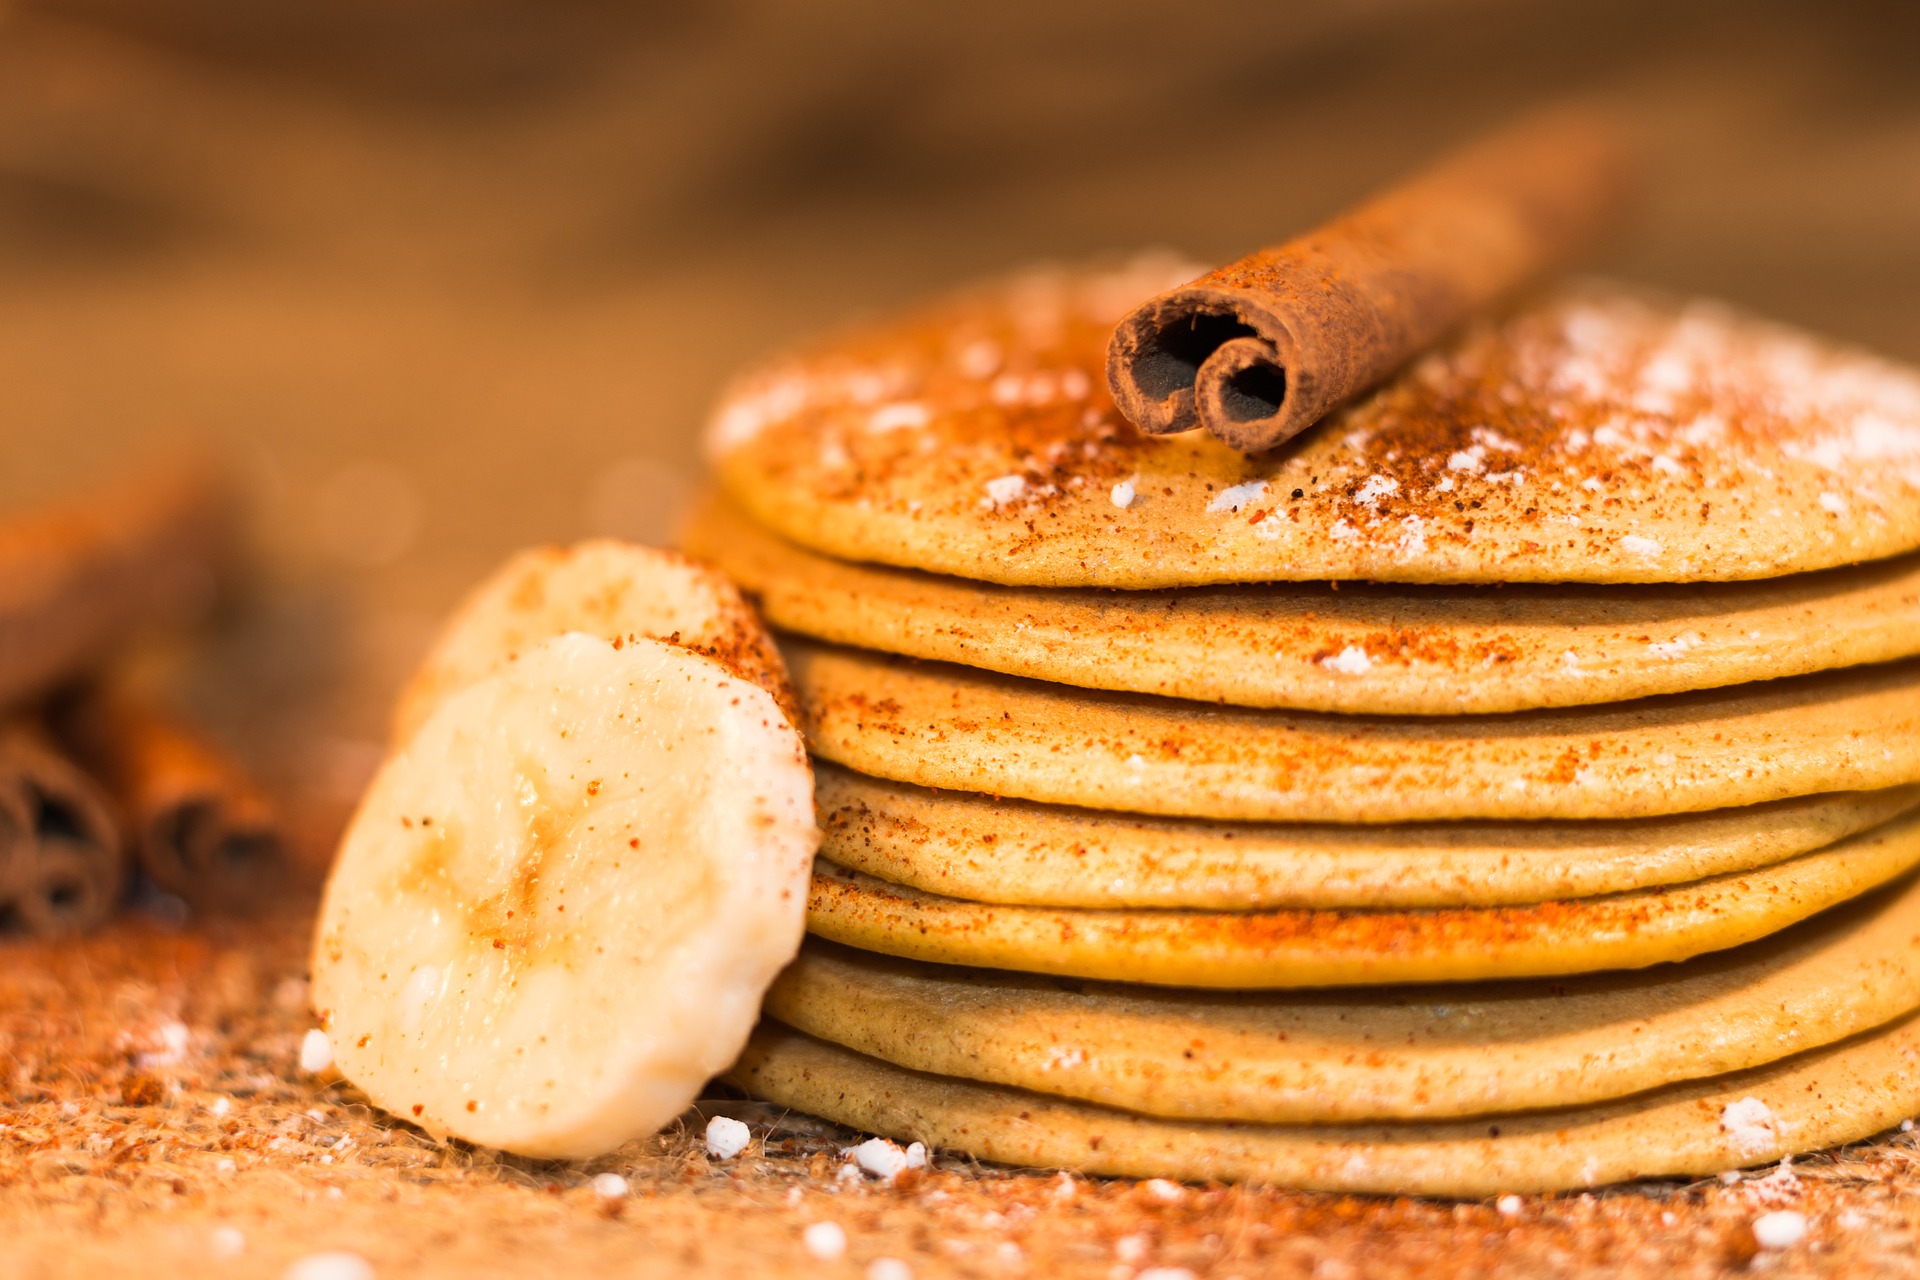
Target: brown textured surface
(1595, 435)
(1358, 649)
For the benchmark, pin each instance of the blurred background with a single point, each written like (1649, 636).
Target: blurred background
(445, 277)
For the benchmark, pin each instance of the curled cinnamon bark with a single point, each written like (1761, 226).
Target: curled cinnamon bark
(1260, 350)
(62, 861)
(77, 577)
(199, 825)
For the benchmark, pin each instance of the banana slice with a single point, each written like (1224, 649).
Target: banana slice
(558, 907)
(614, 590)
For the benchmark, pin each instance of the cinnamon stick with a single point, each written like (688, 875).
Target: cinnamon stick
(62, 861)
(78, 577)
(199, 825)
(1260, 350)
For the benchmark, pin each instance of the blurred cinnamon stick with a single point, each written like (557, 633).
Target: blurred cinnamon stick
(199, 826)
(1260, 350)
(62, 860)
(78, 577)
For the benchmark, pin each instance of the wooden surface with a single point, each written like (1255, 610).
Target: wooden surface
(447, 279)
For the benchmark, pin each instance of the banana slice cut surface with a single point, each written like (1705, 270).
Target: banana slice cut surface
(602, 587)
(556, 911)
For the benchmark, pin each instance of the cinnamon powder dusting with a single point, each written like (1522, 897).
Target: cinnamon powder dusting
(1595, 435)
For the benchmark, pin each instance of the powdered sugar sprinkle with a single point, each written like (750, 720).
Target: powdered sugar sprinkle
(1749, 1125)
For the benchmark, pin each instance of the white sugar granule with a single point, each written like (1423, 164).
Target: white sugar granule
(881, 1158)
(610, 1186)
(1164, 1273)
(1781, 1229)
(316, 1052)
(1375, 488)
(1413, 537)
(1123, 494)
(1005, 489)
(1509, 1206)
(727, 1137)
(894, 417)
(1778, 1189)
(889, 1269)
(335, 1264)
(1749, 1124)
(1634, 544)
(1237, 496)
(1132, 1248)
(174, 1039)
(1164, 1189)
(1350, 661)
(980, 360)
(826, 1241)
(1678, 645)
(1833, 504)
(227, 1242)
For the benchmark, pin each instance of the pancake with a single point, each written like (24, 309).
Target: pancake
(1595, 435)
(1298, 948)
(954, 727)
(1359, 649)
(1331, 1058)
(985, 850)
(1841, 1093)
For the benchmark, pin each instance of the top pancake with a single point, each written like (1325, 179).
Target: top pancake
(1597, 435)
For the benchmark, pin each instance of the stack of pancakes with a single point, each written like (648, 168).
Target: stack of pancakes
(1510, 784)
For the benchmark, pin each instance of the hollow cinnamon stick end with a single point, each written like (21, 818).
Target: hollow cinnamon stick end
(222, 852)
(63, 862)
(1152, 365)
(1246, 397)
(1208, 354)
